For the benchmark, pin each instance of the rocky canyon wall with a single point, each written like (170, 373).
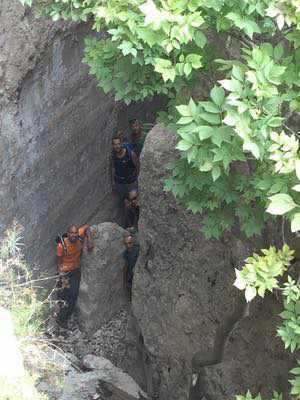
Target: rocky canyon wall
(201, 339)
(56, 129)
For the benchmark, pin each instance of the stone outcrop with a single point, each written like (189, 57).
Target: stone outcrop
(120, 384)
(101, 292)
(189, 313)
(101, 380)
(253, 357)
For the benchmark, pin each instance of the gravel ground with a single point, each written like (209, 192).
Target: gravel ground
(108, 341)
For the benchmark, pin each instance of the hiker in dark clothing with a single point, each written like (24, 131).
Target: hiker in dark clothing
(132, 209)
(137, 136)
(130, 256)
(125, 169)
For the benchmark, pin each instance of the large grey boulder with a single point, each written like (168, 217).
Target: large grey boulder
(185, 303)
(114, 379)
(80, 386)
(101, 292)
(103, 380)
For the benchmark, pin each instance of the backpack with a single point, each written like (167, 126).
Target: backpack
(60, 238)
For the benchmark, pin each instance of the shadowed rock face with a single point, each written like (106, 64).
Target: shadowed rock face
(55, 134)
(68, 125)
(186, 305)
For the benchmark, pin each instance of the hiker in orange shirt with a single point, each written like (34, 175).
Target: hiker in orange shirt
(69, 251)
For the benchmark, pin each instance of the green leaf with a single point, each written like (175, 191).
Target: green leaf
(236, 18)
(237, 73)
(185, 120)
(295, 223)
(187, 69)
(207, 166)
(253, 148)
(217, 95)
(194, 60)
(295, 371)
(192, 107)
(278, 51)
(297, 307)
(297, 167)
(294, 37)
(161, 64)
(200, 39)
(169, 74)
(184, 145)
(221, 134)
(205, 132)
(184, 111)
(209, 106)
(251, 27)
(280, 204)
(250, 293)
(232, 85)
(296, 188)
(275, 122)
(216, 172)
(213, 119)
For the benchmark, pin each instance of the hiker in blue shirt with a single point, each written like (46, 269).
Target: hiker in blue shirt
(125, 169)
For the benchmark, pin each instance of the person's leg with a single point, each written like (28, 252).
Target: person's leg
(62, 300)
(63, 306)
(127, 217)
(129, 283)
(74, 289)
(77, 284)
(121, 193)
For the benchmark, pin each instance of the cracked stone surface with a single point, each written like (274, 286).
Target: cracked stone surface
(102, 292)
(55, 131)
(189, 313)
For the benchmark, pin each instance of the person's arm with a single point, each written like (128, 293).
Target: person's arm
(60, 253)
(86, 232)
(136, 162)
(88, 236)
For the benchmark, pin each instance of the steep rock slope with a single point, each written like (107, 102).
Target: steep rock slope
(185, 304)
(55, 130)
